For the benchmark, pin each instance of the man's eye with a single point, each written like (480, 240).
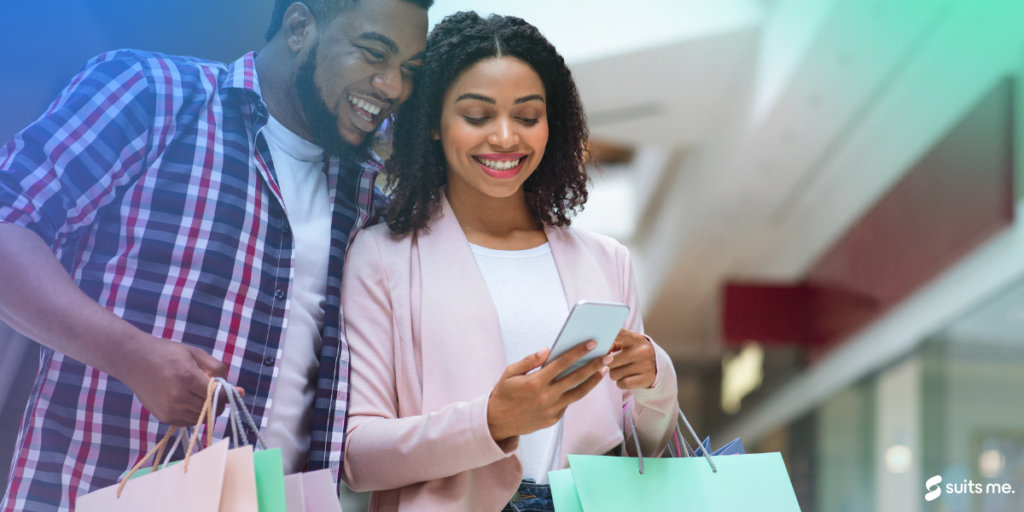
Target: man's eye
(475, 120)
(374, 54)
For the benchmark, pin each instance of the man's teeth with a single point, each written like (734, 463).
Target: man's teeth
(371, 109)
(500, 165)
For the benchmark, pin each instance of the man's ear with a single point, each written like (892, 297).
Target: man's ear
(434, 133)
(298, 27)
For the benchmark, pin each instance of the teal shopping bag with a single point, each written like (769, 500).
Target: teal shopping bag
(743, 483)
(728, 483)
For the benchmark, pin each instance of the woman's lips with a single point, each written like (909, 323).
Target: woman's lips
(501, 165)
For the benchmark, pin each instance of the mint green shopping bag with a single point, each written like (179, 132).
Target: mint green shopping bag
(270, 480)
(729, 483)
(743, 483)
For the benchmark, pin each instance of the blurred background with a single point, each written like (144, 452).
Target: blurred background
(819, 197)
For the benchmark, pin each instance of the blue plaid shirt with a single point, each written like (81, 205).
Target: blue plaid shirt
(152, 183)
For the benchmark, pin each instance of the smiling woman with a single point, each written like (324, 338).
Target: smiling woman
(451, 309)
(481, 74)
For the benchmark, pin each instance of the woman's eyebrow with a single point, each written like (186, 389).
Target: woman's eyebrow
(531, 97)
(474, 96)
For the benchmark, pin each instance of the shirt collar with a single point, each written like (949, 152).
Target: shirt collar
(242, 74)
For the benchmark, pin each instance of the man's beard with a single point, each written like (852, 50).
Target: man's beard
(322, 124)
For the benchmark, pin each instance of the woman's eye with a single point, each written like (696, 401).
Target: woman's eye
(411, 70)
(529, 121)
(475, 120)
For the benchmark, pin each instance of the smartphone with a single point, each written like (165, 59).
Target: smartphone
(588, 320)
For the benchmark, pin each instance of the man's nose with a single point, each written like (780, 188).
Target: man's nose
(389, 82)
(504, 134)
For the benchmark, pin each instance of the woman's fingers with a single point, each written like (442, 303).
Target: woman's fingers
(633, 382)
(564, 361)
(582, 373)
(578, 392)
(621, 372)
(523, 366)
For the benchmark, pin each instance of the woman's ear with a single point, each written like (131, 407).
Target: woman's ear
(435, 134)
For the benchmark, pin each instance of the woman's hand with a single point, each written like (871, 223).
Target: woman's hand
(634, 364)
(521, 404)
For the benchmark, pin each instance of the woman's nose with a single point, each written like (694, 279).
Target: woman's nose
(504, 135)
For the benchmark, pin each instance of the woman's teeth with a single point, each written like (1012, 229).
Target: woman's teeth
(500, 165)
(368, 109)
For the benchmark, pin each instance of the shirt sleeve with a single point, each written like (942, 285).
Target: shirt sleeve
(57, 174)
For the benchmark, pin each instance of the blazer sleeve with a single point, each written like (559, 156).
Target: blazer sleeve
(383, 450)
(654, 408)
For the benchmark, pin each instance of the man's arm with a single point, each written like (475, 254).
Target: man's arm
(40, 300)
(56, 177)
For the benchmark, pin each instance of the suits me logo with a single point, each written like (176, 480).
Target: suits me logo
(967, 487)
(934, 489)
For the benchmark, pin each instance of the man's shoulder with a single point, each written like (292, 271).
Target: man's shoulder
(174, 70)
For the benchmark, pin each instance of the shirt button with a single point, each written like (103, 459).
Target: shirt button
(287, 229)
(279, 294)
(268, 361)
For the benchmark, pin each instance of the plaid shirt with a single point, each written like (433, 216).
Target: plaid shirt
(152, 183)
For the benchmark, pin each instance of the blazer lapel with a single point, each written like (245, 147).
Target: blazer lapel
(462, 351)
(585, 426)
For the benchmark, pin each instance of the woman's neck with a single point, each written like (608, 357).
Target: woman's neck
(503, 223)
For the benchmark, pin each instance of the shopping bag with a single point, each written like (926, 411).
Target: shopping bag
(293, 498)
(196, 485)
(267, 464)
(312, 492)
(320, 492)
(733, 483)
(254, 480)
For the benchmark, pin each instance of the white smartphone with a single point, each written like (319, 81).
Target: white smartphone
(588, 320)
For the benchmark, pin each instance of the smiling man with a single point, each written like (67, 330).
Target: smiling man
(169, 219)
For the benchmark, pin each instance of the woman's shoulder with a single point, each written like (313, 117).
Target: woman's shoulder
(379, 243)
(602, 247)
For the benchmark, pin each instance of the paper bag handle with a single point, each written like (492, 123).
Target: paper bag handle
(628, 412)
(158, 450)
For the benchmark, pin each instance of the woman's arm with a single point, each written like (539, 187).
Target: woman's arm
(384, 451)
(654, 405)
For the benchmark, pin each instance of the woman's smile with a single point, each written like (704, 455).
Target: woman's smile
(501, 165)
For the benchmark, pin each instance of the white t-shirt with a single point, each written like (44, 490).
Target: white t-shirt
(531, 304)
(299, 165)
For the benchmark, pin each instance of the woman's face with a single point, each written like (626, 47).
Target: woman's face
(494, 126)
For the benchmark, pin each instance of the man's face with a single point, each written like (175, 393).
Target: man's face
(359, 70)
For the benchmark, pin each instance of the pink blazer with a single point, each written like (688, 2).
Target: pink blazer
(426, 351)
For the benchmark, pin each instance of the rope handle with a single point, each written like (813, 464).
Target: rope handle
(628, 412)
(213, 389)
(138, 465)
(234, 397)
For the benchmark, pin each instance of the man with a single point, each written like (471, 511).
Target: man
(170, 219)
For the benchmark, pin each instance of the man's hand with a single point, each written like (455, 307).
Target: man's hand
(634, 364)
(40, 300)
(170, 379)
(522, 404)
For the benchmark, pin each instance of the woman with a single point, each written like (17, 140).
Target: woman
(451, 306)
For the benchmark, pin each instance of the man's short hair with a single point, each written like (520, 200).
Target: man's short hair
(323, 11)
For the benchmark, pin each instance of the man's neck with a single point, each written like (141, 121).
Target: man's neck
(277, 85)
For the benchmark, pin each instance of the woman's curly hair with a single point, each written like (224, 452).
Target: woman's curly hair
(417, 169)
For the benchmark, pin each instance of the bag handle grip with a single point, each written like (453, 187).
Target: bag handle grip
(628, 412)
